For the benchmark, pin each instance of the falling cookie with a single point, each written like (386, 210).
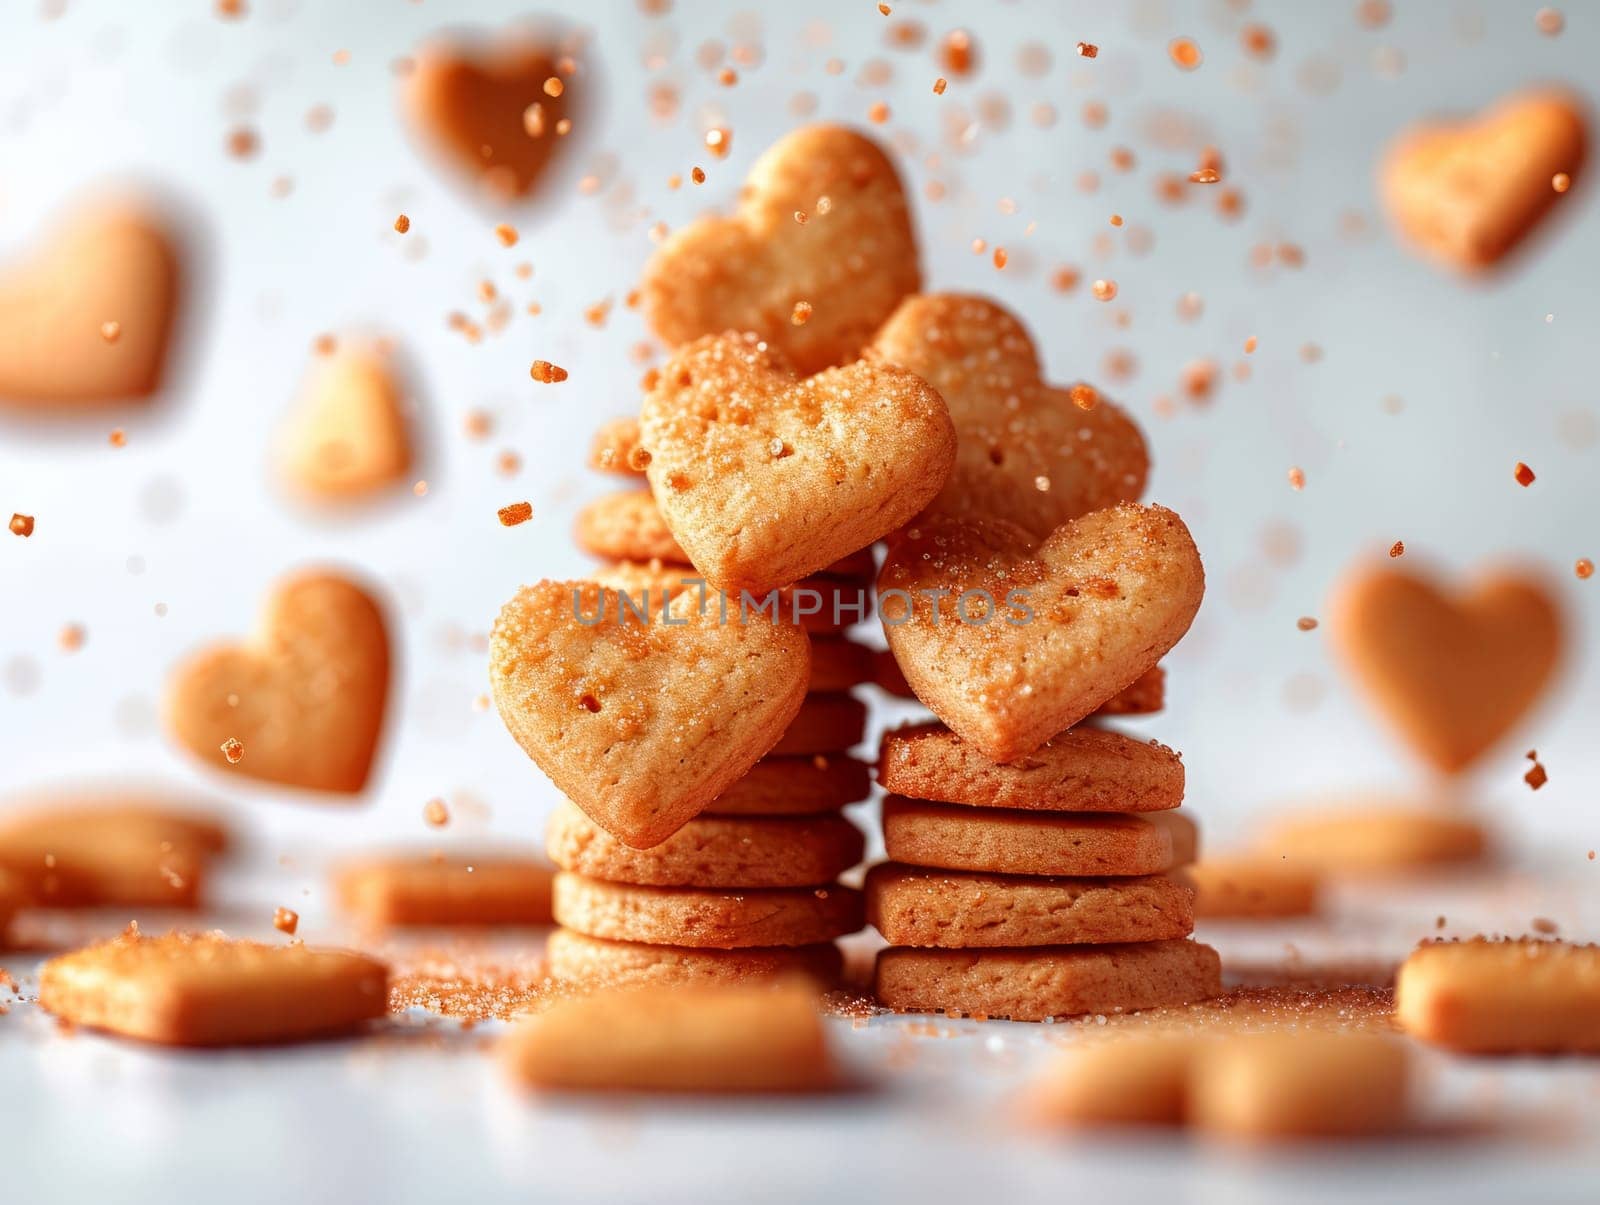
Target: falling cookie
(642, 724)
(1027, 452)
(493, 109)
(822, 224)
(1466, 193)
(302, 703)
(86, 317)
(765, 477)
(347, 437)
(1010, 641)
(1453, 672)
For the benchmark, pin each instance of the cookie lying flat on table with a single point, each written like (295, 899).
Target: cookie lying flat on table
(1026, 452)
(764, 477)
(1466, 193)
(1081, 770)
(1040, 982)
(87, 318)
(708, 1038)
(427, 889)
(1452, 673)
(627, 526)
(912, 906)
(1123, 1081)
(1252, 887)
(1502, 997)
(13, 895)
(705, 917)
(205, 990)
(347, 436)
(597, 962)
(615, 448)
(1032, 637)
(641, 725)
(485, 108)
(711, 851)
(827, 723)
(850, 259)
(1004, 841)
(1375, 840)
(305, 697)
(795, 786)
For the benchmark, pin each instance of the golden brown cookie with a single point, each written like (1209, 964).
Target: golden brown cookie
(87, 317)
(706, 918)
(1147, 695)
(711, 851)
(1184, 832)
(822, 229)
(1026, 639)
(912, 906)
(1375, 839)
(427, 889)
(13, 895)
(1252, 887)
(1130, 1080)
(487, 107)
(596, 962)
(764, 477)
(205, 990)
(615, 447)
(1040, 982)
(641, 724)
(1465, 193)
(304, 698)
(1081, 770)
(821, 604)
(1452, 672)
(1026, 452)
(627, 526)
(1292, 1084)
(1003, 841)
(347, 437)
(1502, 997)
(795, 786)
(708, 1038)
(825, 724)
(838, 664)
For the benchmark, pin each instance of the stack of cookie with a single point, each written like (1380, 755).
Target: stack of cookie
(748, 887)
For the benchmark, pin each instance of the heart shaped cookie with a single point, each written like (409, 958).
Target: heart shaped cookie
(489, 109)
(822, 224)
(642, 722)
(86, 318)
(347, 437)
(1453, 672)
(1466, 193)
(764, 477)
(1010, 641)
(1026, 452)
(305, 698)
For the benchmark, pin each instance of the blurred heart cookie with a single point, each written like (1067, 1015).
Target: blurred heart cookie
(764, 477)
(642, 723)
(1452, 672)
(822, 225)
(304, 698)
(1465, 193)
(1010, 641)
(495, 112)
(86, 318)
(347, 436)
(1026, 452)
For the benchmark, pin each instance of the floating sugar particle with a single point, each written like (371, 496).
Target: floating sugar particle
(1104, 290)
(233, 750)
(1250, 346)
(1184, 53)
(1297, 478)
(1088, 50)
(1536, 776)
(435, 814)
(1084, 397)
(1305, 623)
(801, 313)
(1000, 257)
(1561, 181)
(506, 234)
(1549, 21)
(553, 87)
(719, 141)
(111, 331)
(878, 113)
(1584, 568)
(402, 224)
(1523, 475)
(517, 512)
(1397, 549)
(420, 489)
(22, 525)
(285, 920)
(939, 85)
(547, 373)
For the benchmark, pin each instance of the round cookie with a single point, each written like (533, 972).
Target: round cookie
(795, 786)
(1040, 982)
(1082, 770)
(838, 664)
(827, 723)
(962, 909)
(706, 918)
(1005, 841)
(597, 963)
(711, 851)
(626, 526)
